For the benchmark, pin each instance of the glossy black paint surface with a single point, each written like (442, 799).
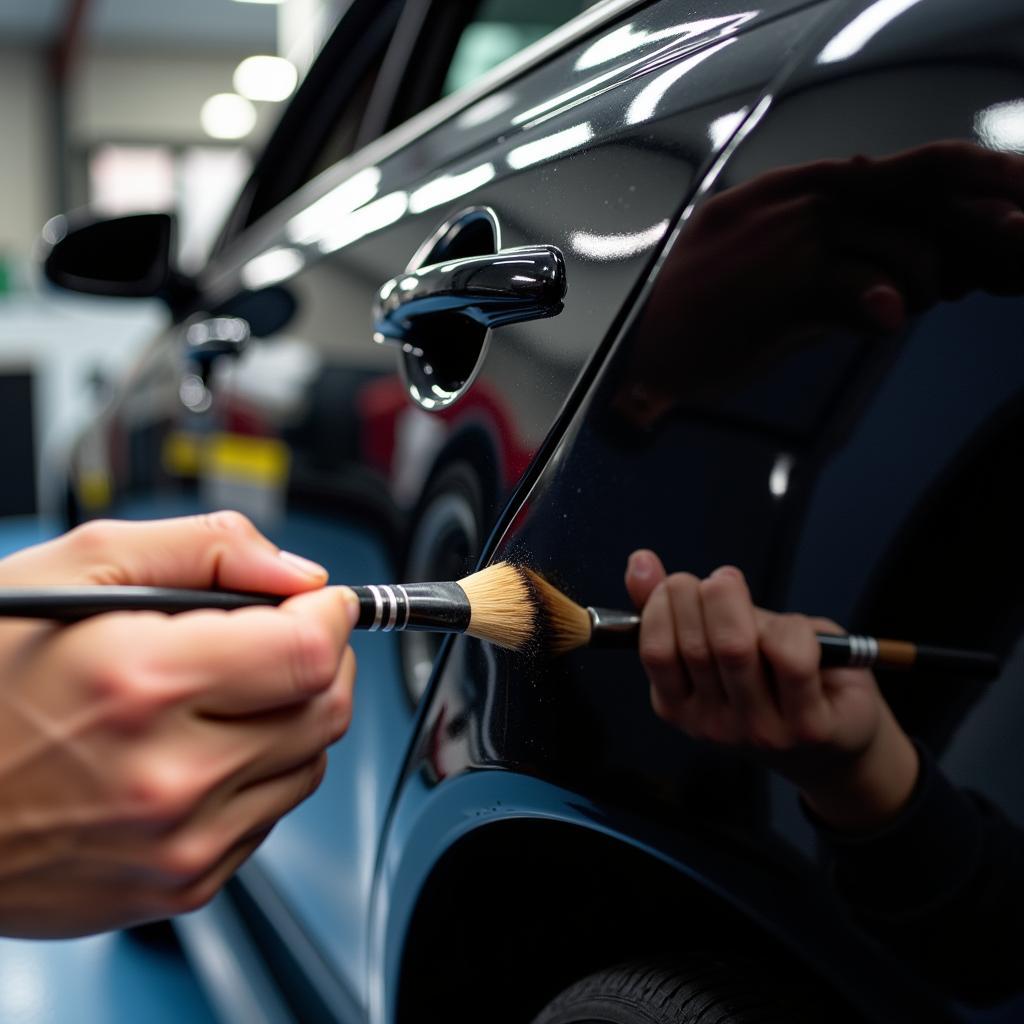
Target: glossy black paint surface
(708, 390)
(747, 418)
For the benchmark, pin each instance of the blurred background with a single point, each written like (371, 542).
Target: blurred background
(122, 106)
(119, 105)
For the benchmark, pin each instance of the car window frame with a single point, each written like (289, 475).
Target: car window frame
(240, 245)
(331, 84)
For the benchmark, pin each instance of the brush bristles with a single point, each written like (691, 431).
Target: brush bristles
(565, 624)
(503, 608)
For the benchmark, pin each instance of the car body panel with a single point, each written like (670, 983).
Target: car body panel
(588, 434)
(842, 476)
(358, 456)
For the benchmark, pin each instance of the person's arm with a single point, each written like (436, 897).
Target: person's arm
(143, 757)
(935, 873)
(727, 672)
(941, 884)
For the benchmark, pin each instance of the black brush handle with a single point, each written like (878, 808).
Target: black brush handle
(433, 607)
(615, 629)
(438, 607)
(72, 604)
(867, 651)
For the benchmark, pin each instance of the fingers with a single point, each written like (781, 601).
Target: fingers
(264, 746)
(693, 641)
(258, 659)
(729, 672)
(659, 653)
(791, 647)
(644, 572)
(197, 861)
(222, 549)
(732, 634)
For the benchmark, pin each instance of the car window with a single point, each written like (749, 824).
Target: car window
(321, 123)
(501, 28)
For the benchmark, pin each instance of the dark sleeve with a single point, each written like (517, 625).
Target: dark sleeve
(942, 887)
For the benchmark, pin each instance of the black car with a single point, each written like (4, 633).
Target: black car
(620, 310)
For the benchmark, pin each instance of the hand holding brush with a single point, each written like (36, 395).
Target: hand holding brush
(742, 677)
(506, 604)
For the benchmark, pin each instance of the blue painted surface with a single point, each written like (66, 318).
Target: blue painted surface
(321, 856)
(17, 532)
(104, 979)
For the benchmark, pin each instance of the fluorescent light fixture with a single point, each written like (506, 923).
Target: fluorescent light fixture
(365, 221)
(859, 32)
(778, 480)
(722, 129)
(486, 109)
(227, 115)
(275, 2)
(605, 248)
(1002, 126)
(270, 79)
(448, 187)
(311, 224)
(646, 101)
(271, 267)
(624, 40)
(551, 145)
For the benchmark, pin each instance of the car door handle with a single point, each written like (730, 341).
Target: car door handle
(506, 287)
(213, 337)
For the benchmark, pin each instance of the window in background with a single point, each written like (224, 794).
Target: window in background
(200, 183)
(209, 180)
(500, 29)
(130, 179)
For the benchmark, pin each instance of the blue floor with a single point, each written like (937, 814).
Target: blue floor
(105, 979)
(17, 532)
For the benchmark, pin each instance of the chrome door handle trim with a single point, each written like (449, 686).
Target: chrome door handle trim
(208, 339)
(507, 287)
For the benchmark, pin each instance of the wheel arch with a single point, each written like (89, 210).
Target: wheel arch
(464, 901)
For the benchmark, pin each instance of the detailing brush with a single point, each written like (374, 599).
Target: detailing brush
(507, 605)
(496, 604)
(569, 626)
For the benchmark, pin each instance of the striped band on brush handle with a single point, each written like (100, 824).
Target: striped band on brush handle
(437, 607)
(610, 628)
(851, 651)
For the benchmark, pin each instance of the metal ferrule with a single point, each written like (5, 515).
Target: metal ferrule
(434, 607)
(610, 628)
(847, 651)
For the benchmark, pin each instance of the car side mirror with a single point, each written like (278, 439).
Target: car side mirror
(128, 257)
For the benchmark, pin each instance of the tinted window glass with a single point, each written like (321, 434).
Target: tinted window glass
(501, 28)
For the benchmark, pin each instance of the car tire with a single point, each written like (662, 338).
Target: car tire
(444, 541)
(684, 990)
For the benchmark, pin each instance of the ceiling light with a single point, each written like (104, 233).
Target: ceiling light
(227, 116)
(266, 78)
(259, 1)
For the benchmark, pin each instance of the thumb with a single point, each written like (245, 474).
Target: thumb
(221, 549)
(644, 572)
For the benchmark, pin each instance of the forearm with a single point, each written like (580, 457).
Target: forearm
(865, 792)
(941, 884)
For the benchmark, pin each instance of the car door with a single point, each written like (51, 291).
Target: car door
(391, 461)
(753, 414)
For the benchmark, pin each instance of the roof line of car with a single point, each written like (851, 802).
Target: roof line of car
(250, 242)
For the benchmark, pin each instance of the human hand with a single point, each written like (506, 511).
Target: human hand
(143, 757)
(763, 268)
(738, 676)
